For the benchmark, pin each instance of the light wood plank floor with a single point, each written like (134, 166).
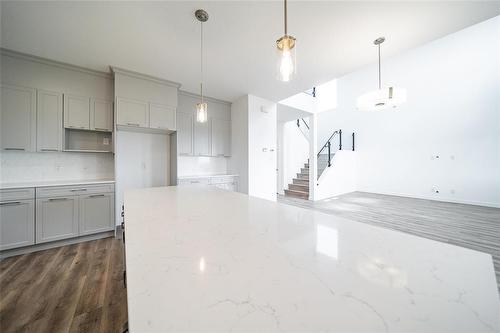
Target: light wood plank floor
(469, 226)
(75, 288)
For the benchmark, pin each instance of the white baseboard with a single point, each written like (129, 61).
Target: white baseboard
(433, 198)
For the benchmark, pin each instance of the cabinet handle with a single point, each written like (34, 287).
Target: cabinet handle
(184, 154)
(96, 196)
(79, 127)
(58, 199)
(14, 149)
(48, 149)
(195, 181)
(102, 129)
(79, 190)
(132, 124)
(15, 203)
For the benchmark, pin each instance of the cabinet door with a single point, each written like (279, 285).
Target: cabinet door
(56, 218)
(18, 118)
(17, 224)
(161, 116)
(202, 138)
(96, 213)
(221, 137)
(101, 115)
(76, 112)
(49, 125)
(184, 134)
(132, 113)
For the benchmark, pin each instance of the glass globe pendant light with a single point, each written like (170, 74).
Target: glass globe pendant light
(287, 65)
(202, 107)
(382, 98)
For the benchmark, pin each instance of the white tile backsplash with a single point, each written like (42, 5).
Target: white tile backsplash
(26, 167)
(200, 165)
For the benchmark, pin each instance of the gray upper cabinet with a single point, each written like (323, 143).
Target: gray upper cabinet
(17, 224)
(76, 112)
(96, 213)
(221, 137)
(202, 139)
(18, 118)
(49, 120)
(132, 113)
(56, 218)
(101, 115)
(184, 134)
(162, 116)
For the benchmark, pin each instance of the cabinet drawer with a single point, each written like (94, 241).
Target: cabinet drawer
(61, 191)
(17, 194)
(222, 180)
(17, 224)
(203, 181)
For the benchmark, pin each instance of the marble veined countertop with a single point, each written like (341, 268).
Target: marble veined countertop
(207, 176)
(54, 183)
(206, 260)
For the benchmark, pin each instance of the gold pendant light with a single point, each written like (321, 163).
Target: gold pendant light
(287, 65)
(202, 107)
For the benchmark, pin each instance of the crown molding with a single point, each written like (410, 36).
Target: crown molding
(210, 99)
(55, 63)
(144, 76)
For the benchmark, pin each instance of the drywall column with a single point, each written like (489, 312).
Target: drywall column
(313, 148)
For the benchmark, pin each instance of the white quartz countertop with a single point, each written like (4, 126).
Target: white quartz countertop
(201, 259)
(54, 183)
(206, 176)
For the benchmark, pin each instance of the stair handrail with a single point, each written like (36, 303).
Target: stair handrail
(328, 142)
(328, 145)
(305, 123)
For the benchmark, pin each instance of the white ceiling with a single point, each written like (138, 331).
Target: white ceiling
(162, 38)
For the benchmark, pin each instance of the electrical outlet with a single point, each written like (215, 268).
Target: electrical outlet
(105, 141)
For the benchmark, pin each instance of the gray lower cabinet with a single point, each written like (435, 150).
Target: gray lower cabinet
(17, 224)
(96, 213)
(56, 218)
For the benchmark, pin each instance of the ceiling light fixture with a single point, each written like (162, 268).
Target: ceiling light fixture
(287, 65)
(202, 107)
(382, 98)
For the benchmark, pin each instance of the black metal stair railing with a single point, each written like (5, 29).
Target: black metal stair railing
(324, 159)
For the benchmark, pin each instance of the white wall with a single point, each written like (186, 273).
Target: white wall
(453, 111)
(338, 179)
(294, 151)
(262, 155)
(49, 166)
(253, 135)
(238, 162)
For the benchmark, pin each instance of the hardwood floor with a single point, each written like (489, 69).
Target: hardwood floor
(75, 288)
(469, 226)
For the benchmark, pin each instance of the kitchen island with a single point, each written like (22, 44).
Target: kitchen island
(207, 260)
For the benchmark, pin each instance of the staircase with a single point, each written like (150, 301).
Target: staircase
(300, 186)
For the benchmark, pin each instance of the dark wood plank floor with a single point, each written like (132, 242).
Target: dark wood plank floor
(75, 288)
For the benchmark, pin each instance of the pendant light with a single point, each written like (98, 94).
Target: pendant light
(382, 98)
(287, 65)
(202, 107)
